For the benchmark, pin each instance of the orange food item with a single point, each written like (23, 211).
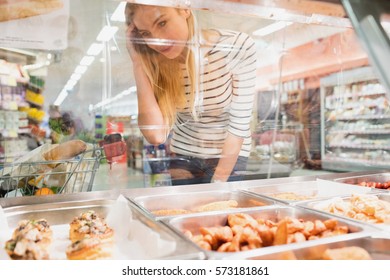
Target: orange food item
(43, 191)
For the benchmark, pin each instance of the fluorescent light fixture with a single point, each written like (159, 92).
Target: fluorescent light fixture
(70, 85)
(87, 60)
(271, 28)
(75, 77)
(119, 13)
(80, 69)
(107, 101)
(61, 97)
(107, 33)
(95, 49)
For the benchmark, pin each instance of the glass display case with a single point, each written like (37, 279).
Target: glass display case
(175, 119)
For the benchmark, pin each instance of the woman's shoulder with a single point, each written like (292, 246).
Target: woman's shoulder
(225, 37)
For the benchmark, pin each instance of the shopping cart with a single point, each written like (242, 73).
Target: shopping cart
(64, 176)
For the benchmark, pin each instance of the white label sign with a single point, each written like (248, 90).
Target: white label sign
(34, 24)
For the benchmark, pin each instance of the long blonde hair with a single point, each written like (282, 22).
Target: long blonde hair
(165, 75)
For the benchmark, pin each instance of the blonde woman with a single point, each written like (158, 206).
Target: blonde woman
(199, 84)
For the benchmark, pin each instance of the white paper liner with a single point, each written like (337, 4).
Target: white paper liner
(133, 239)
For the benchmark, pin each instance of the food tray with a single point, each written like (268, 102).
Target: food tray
(191, 200)
(195, 222)
(355, 180)
(308, 190)
(377, 247)
(60, 214)
(314, 205)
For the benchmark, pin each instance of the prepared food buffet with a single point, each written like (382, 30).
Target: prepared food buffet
(87, 230)
(379, 181)
(377, 185)
(243, 232)
(363, 248)
(291, 196)
(254, 232)
(199, 202)
(213, 206)
(91, 238)
(366, 208)
(346, 253)
(292, 193)
(240, 223)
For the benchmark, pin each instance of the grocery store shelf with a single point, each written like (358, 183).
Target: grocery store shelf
(359, 94)
(369, 147)
(363, 117)
(383, 131)
(354, 164)
(37, 105)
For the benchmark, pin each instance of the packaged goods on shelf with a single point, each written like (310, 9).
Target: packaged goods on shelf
(355, 121)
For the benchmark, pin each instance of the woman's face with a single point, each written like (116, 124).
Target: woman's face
(165, 30)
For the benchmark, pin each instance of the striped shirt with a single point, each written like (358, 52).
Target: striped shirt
(227, 86)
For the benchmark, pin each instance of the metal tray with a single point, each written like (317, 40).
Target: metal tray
(62, 213)
(309, 190)
(312, 206)
(194, 223)
(191, 200)
(355, 180)
(377, 247)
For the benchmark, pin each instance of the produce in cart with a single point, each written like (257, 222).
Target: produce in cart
(60, 168)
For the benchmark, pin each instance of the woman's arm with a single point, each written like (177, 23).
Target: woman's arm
(229, 155)
(150, 118)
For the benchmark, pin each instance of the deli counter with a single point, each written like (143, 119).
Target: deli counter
(305, 218)
(308, 103)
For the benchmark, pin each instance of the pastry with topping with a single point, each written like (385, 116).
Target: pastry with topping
(88, 249)
(30, 240)
(38, 230)
(90, 225)
(26, 249)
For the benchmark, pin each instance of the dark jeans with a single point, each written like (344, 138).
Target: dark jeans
(203, 169)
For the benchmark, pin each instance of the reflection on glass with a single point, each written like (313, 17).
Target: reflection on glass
(385, 22)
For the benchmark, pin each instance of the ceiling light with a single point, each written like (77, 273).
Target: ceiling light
(107, 33)
(119, 13)
(75, 77)
(80, 69)
(87, 60)
(70, 84)
(61, 97)
(271, 28)
(95, 49)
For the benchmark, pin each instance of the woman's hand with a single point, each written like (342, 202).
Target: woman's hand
(131, 39)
